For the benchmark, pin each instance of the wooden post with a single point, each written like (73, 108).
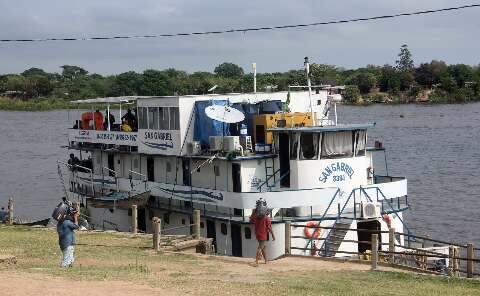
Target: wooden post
(453, 267)
(391, 245)
(134, 219)
(156, 226)
(470, 263)
(196, 221)
(288, 238)
(10, 211)
(374, 251)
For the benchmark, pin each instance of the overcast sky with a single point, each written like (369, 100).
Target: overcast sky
(451, 36)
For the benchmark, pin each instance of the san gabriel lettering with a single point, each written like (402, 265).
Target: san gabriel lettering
(334, 169)
(158, 136)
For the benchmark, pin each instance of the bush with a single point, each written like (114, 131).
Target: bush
(352, 94)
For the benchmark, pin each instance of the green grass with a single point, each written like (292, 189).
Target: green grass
(44, 104)
(106, 256)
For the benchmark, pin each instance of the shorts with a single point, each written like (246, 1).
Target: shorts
(261, 244)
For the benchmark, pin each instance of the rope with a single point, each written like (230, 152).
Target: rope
(252, 29)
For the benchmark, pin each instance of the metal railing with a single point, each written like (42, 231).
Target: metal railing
(111, 173)
(74, 169)
(144, 179)
(455, 260)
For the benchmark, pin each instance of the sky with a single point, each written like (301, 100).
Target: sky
(452, 36)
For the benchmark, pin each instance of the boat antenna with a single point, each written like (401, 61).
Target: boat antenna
(254, 67)
(309, 83)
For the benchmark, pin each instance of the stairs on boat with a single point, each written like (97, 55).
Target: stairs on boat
(335, 237)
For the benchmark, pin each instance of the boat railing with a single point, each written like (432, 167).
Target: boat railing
(388, 202)
(74, 169)
(379, 179)
(443, 257)
(143, 179)
(111, 173)
(259, 187)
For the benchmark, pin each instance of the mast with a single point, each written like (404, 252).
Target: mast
(254, 67)
(309, 83)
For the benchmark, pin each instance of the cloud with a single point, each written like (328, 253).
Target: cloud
(447, 36)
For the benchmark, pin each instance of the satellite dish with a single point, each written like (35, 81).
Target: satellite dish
(224, 114)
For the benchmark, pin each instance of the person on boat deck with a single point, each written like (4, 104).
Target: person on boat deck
(73, 160)
(263, 226)
(125, 127)
(129, 118)
(66, 238)
(109, 119)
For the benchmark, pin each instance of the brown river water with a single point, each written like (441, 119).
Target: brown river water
(436, 147)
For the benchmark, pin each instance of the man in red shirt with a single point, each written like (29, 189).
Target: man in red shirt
(263, 226)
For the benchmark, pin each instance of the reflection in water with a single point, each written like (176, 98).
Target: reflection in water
(435, 147)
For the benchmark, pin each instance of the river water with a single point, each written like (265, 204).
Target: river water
(435, 147)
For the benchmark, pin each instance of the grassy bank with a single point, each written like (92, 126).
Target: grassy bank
(108, 257)
(41, 105)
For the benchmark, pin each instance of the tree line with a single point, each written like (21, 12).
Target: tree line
(401, 82)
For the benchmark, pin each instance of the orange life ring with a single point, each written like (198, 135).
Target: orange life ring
(315, 233)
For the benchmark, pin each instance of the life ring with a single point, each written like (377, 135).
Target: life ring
(315, 233)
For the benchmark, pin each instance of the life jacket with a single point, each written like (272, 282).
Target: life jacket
(97, 117)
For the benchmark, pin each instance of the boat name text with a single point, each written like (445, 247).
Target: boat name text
(334, 169)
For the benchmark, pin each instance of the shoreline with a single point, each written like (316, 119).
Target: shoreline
(53, 104)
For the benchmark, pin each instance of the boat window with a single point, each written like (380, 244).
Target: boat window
(174, 118)
(153, 118)
(360, 139)
(308, 146)
(164, 118)
(337, 144)
(142, 117)
(293, 146)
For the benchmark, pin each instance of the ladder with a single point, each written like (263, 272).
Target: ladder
(270, 172)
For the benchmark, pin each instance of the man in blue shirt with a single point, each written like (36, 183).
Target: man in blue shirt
(66, 238)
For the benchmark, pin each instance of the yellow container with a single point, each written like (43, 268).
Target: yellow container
(263, 122)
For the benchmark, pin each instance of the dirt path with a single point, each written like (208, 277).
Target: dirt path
(223, 269)
(28, 284)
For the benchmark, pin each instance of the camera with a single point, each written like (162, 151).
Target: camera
(64, 210)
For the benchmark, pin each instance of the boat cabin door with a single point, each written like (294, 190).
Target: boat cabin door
(111, 164)
(187, 177)
(284, 157)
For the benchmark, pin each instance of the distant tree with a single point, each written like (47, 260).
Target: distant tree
(229, 70)
(325, 74)
(448, 83)
(461, 73)
(41, 86)
(364, 81)
(72, 72)
(155, 83)
(34, 72)
(428, 74)
(352, 93)
(405, 61)
(126, 84)
(389, 79)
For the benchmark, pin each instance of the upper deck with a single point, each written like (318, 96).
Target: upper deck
(165, 125)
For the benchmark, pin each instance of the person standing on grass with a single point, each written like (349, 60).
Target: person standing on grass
(263, 226)
(66, 238)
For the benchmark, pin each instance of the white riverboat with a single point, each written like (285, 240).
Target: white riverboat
(289, 149)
